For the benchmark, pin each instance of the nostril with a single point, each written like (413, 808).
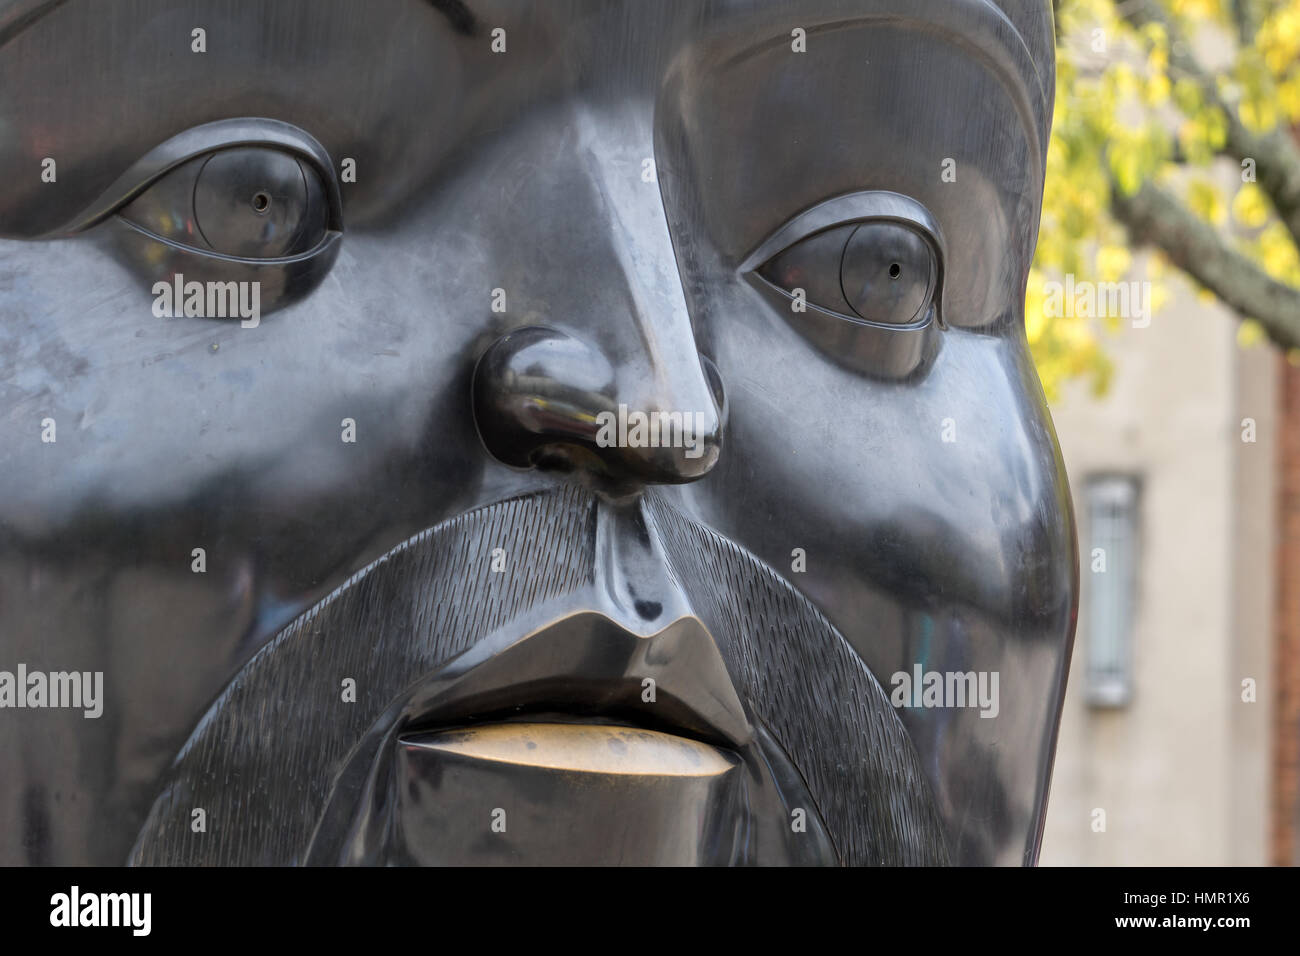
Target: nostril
(537, 386)
(545, 399)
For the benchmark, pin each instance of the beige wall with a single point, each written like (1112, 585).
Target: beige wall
(1181, 771)
(1252, 638)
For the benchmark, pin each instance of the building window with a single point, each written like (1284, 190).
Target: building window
(1111, 587)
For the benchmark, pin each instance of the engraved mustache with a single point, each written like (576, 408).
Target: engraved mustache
(266, 755)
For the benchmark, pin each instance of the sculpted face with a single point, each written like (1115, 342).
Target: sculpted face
(509, 432)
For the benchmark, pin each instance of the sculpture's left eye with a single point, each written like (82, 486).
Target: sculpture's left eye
(861, 276)
(251, 202)
(883, 272)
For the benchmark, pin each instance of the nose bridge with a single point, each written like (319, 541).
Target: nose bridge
(652, 339)
(624, 346)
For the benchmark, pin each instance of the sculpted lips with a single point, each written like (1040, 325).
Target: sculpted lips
(583, 748)
(623, 646)
(645, 743)
(581, 743)
(673, 680)
(563, 794)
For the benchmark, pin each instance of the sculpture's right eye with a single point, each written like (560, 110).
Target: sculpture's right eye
(238, 200)
(252, 202)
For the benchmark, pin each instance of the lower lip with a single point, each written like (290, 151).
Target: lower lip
(577, 748)
(562, 794)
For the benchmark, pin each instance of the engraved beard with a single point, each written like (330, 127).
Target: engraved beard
(276, 753)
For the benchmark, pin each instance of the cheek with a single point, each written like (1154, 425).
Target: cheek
(149, 409)
(911, 493)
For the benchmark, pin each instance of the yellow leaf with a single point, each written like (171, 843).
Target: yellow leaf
(1258, 115)
(1288, 96)
(1204, 200)
(1159, 296)
(1156, 91)
(1113, 262)
(1250, 207)
(1250, 333)
(1124, 164)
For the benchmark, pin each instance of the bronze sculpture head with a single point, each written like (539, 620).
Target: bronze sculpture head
(582, 431)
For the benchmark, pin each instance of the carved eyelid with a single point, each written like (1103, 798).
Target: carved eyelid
(867, 206)
(209, 138)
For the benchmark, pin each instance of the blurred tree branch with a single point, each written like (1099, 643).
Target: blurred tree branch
(1276, 154)
(1155, 217)
(1145, 129)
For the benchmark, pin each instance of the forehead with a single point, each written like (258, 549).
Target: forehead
(398, 84)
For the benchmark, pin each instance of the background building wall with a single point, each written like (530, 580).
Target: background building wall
(1181, 771)
(1254, 575)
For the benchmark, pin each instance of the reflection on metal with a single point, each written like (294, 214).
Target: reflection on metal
(578, 748)
(579, 780)
(369, 582)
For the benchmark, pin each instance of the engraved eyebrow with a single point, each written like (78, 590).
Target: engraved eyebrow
(20, 14)
(207, 137)
(457, 14)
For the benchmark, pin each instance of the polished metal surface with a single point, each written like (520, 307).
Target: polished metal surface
(504, 432)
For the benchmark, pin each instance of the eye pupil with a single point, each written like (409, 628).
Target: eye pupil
(258, 202)
(877, 250)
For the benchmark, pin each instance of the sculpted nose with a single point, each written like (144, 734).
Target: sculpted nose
(544, 398)
(615, 385)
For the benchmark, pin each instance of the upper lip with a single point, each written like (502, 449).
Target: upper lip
(586, 665)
